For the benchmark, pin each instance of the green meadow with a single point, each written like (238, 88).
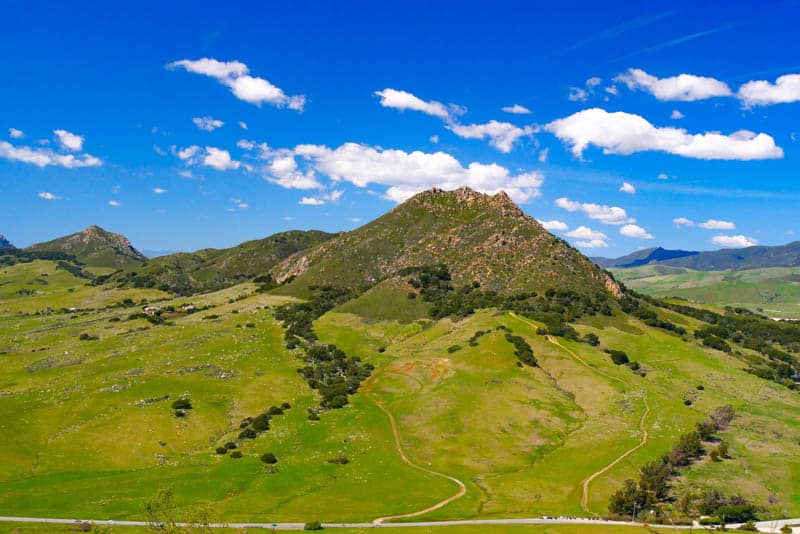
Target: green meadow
(89, 430)
(773, 291)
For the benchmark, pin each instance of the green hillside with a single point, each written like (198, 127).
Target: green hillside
(95, 247)
(212, 269)
(481, 238)
(774, 291)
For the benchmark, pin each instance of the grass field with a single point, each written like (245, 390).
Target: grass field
(87, 432)
(773, 291)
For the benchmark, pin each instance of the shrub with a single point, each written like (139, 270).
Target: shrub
(88, 337)
(182, 404)
(453, 348)
(313, 416)
(248, 433)
(274, 410)
(286, 406)
(312, 525)
(230, 445)
(181, 413)
(222, 450)
(687, 402)
(236, 454)
(339, 460)
(269, 458)
(700, 387)
(714, 455)
(618, 357)
(591, 339)
(723, 449)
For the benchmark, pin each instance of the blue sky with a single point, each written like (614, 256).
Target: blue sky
(647, 124)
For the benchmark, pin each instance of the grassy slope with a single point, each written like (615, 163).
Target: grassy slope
(521, 439)
(776, 290)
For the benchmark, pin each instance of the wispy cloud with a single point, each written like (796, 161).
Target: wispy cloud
(674, 42)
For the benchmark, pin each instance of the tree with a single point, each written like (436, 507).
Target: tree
(626, 499)
(269, 458)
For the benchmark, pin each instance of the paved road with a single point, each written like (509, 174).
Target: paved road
(764, 526)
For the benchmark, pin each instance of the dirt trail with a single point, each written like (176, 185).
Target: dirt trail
(642, 427)
(462, 489)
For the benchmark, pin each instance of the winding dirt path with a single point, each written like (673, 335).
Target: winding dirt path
(462, 489)
(642, 426)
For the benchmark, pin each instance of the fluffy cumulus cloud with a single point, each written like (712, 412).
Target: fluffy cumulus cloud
(599, 212)
(676, 115)
(43, 157)
(554, 225)
(13, 133)
(403, 100)
(219, 159)
(311, 201)
(786, 89)
(684, 87)
(714, 224)
(627, 188)
(403, 173)
(45, 195)
(501, 135)
(734, 241)
(208, 124)
(69, 141)
(632, 230)
(578, 94)
(516, 109)
(682, 221)
(235, 75)
(627, 133)
(588, 238)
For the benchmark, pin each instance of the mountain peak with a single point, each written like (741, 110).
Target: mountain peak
(5, 243)
(97, 247)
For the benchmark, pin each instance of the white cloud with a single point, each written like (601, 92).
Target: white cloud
(786, 89)
(242, 125)
(402, 100)
(516, 109)
(42, 157)
(577, 94)
(682, 221)
(626, 133)
(543, 155)
(310, 201)
(245, 144)
(593, 82)
(219, 159)
(239, 203)
(355, 219)
(283, 170)
(676, 114)
(186, 174)
(604, 214)
(158, 150)
(632, 230)
(13, 133)
(319, 200)
(612, 90)
(554, 225)
(209, 124)
(69, 141)
(114, 203)
(584, 232)
(663, 176)
(159, 191)
(188, 154)
(593, 243)
(434, 139)
(684, 87)
(407, 173)
(48, 196)
(502, 135)
(234, 75)
(713, 224)
(735, 241)
(627, 188)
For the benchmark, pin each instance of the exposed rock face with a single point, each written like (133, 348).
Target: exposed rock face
(481, 238)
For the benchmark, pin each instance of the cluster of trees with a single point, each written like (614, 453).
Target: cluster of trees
(654, 477)
(775, 340)
(620, 357)
(298, 318)
(710, 502)
(334, 374)
(251, 427)
(636, 307)
(11, 256)
(522, 350)
(555, 307)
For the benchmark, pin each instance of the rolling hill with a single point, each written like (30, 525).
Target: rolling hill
(481, 238)
(716, 260)
(95, 247)
(395, 388)
(212, 269)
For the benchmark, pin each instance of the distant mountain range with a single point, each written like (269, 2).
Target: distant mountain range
(717, 260)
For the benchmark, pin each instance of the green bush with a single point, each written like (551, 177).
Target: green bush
(312, 525)
(222, 450)
(269, 458)
(618, 357)
(230, 445)
(339, 460)
(453, 348)
(236, 454)
(182, 404)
